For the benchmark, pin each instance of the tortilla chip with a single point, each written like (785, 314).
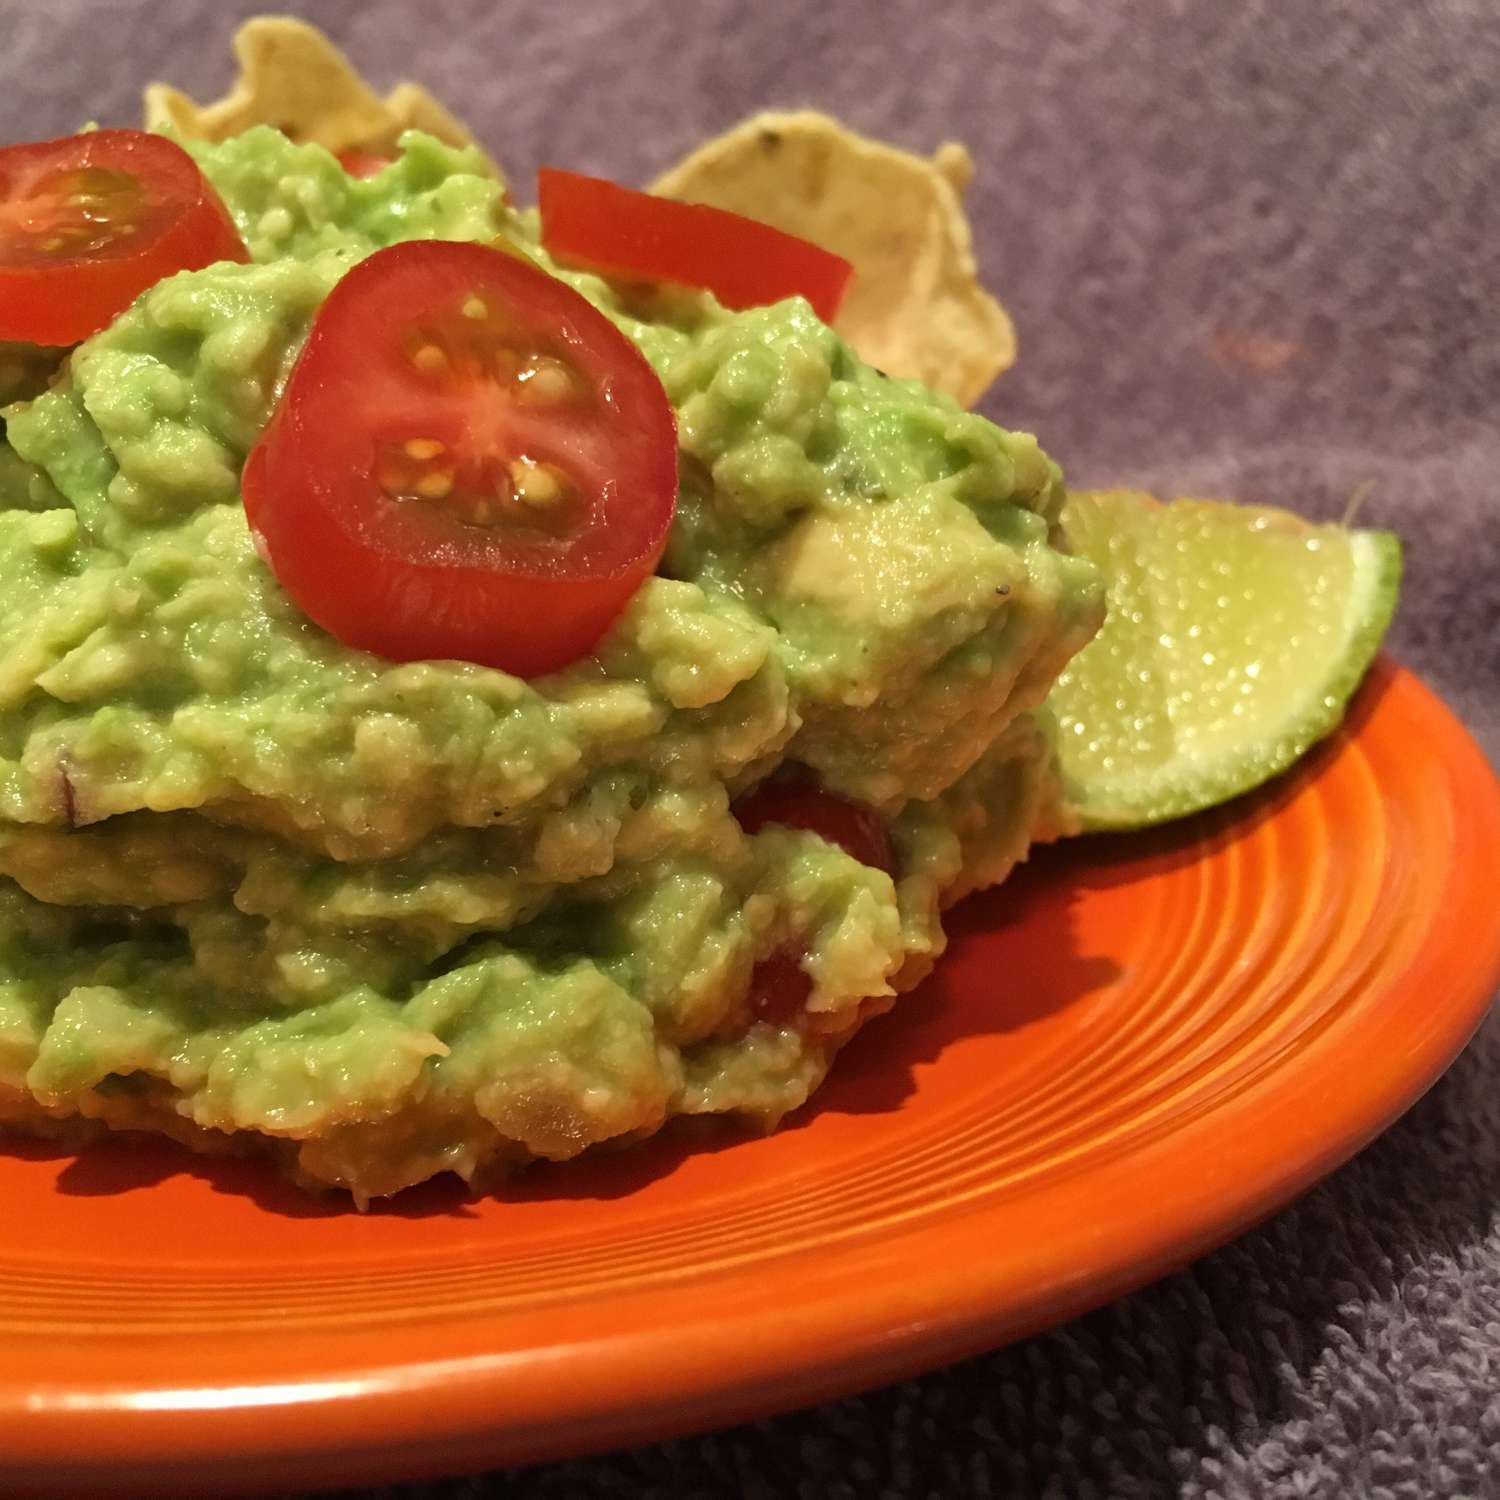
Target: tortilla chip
(293, 77)
(915, 306)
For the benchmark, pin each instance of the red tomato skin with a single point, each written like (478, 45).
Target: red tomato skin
(357, 161)
(65, 299)
(385, 580)
(592, 222)
(797, 802)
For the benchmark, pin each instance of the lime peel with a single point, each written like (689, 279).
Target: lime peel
(1235, 637)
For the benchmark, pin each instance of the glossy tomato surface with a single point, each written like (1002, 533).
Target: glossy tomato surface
(469, 461)
(88, 222)
(744, 263)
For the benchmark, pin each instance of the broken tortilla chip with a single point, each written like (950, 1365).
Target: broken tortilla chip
(915, 307)
(293, 77)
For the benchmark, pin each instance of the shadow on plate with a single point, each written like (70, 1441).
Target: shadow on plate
(127, 1163)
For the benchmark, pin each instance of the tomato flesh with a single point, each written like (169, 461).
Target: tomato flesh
(779, 989)
(779, 985)
(469, 462)
(797, 801)
(591, 222)
(88, 222)
(358, 161)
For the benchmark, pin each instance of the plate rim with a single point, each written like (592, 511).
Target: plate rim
(837, 1339)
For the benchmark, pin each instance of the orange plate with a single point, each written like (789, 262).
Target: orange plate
(1135, 1049)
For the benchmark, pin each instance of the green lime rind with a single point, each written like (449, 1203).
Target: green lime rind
(1235, 638)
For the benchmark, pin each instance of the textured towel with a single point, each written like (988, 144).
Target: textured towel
(1252, 251)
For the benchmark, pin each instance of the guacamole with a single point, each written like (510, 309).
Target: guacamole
(393, 920)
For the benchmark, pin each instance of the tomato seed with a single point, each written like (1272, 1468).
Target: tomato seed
(435, 486)
(545, 382)
(537, 486)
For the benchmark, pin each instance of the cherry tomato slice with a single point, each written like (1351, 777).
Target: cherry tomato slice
(88, 222)
(469, 461)
(796, 801)
(744, 263)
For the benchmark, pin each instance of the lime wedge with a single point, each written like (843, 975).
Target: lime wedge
(1234, 639)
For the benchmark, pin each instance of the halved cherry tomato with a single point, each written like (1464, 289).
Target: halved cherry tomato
(88, 222)
(357, 161)
(469, 461)
(779, 985)
(744, 263)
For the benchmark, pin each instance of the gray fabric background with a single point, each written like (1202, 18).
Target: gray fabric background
(1253, 250)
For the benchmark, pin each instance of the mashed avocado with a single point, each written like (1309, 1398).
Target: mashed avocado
(405, 919)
